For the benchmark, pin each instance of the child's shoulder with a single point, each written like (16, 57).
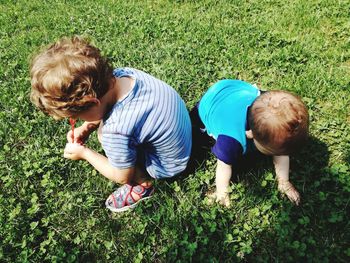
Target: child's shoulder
(233, 84)
(124, 72)
(133, 73)
(231, 88)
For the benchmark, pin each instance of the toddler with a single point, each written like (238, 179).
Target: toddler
(142, 123)
(240, 118)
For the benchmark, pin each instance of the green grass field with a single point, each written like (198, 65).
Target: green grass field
(52, 209)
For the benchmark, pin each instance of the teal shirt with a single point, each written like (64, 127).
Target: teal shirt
(223, 109)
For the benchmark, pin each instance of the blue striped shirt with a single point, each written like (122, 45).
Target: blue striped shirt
(150, 125)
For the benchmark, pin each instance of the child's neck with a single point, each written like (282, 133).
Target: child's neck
(121, 87)
(118, 89)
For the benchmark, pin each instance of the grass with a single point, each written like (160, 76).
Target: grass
(51, 209)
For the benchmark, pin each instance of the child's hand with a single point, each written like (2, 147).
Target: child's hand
(288, 189)
(81, 134)
(221, 198)
(74, 151)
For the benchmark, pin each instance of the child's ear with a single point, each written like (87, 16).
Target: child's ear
(249, 134)
(95, 101)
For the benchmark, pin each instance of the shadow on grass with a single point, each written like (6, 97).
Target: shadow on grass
(292, 232)
(306, 165)
(317, 230)
(347, 156)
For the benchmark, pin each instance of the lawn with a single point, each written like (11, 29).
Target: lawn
(52, 209)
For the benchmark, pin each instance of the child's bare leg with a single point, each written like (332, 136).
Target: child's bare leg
(141, 177)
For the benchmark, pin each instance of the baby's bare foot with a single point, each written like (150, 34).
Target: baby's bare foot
(221, 198)
(288, 189)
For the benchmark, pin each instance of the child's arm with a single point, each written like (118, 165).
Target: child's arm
(100, 162)
(281, 163)
(82, 133)
(222, 181)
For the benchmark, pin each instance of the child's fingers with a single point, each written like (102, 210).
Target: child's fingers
(67, 155)
(72, 151)
(297, 200)
(70, 137)
(294, 197)
(211, 198)
(288, 189)
(73, 147)
(222, 199)
(225, 201)
(71, 156)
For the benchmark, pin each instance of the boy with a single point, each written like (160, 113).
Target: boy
(240, 117)
(144, 125)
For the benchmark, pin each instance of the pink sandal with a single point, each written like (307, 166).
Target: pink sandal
(122, 199)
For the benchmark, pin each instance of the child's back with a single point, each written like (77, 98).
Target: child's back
(152, 119)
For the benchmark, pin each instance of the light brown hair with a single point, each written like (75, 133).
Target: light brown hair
(279, 121)
(66, 75)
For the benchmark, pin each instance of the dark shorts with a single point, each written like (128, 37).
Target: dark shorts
(200, 138)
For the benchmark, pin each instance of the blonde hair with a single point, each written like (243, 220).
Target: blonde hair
(66, 75)
(279, 121)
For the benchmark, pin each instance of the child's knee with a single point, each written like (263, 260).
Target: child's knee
(123, 179)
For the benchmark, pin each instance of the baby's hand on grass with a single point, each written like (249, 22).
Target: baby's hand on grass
(288, 189)
(221, 198)
(74, 151)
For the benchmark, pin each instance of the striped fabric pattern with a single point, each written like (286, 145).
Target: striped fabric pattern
(150, 125)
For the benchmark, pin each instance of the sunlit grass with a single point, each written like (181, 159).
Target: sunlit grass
(52, 209)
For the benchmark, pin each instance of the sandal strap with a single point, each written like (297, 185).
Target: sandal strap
(123, 196)
(138, 189)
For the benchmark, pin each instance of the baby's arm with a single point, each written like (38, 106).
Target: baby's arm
(76, 151)
(222, 180)
(81, 134)
(281, 163)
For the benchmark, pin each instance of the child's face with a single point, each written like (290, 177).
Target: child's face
(94, 113)
(268, 150)
(263, 149)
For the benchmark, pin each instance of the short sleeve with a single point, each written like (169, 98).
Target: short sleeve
(227, 149)
(120, 150)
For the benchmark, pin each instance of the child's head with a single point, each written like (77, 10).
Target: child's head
(67, 75)
(279, 122)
